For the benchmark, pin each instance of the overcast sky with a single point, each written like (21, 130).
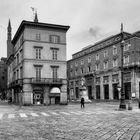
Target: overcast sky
(89, 20)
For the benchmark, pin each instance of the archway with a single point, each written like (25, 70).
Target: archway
(38, 95)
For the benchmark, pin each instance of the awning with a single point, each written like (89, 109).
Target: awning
(55, 91)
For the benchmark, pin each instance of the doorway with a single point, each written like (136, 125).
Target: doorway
(90, 92)
(77, 92)
(115, 92)
(127, 90)
(97, 92)
(37, 97)
(106, 91)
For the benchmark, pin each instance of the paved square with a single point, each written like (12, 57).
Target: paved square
(98, 121)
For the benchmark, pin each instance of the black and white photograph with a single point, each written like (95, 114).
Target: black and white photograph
(69, 70)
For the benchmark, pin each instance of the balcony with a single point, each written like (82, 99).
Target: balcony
(17, 82)
(46, 81)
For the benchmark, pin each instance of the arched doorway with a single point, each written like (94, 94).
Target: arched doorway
(38, 95)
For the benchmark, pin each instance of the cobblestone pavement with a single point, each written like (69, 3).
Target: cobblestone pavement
(98, 121)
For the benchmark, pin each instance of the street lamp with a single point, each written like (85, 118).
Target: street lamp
(122, 100)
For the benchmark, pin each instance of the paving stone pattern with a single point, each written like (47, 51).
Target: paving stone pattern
(96, 122)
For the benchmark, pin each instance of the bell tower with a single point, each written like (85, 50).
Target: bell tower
(9, 44)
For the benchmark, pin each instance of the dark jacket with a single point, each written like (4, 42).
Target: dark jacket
(82, 100)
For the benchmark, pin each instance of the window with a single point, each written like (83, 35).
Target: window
(38, 36)
(17, 59)
(38, 72)
(54, 54)
(38, 53)
(97, 67)
(97, 56)
(89, 68)
(17, 74)
(82, 62)
(21, 73)
(89, 60)
(76, 64)
(82, 70)
(54, 39)
(126, 59)
(21, 55)
(54, 72)
(76, 72)
(126, 46)
(115, 62)
(105, 53)
(114, 50)
(71, 74)
(71, 66)
(105, 64)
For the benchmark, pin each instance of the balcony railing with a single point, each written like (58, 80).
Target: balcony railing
(46, 81)
(17, 82)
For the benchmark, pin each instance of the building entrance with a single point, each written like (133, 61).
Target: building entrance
(98, 92)
(77, 92)
(90, 92)
(127, 90)
(37, 97)
(106, 91)
(115, 92)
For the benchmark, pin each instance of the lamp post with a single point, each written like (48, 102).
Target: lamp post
(122, 100)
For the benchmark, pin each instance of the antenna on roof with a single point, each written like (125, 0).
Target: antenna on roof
(34, 13)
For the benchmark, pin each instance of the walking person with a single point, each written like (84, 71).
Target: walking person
(82, 102)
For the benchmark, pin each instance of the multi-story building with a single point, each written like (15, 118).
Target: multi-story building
(37, 64)
(3, 78)
(100, 65)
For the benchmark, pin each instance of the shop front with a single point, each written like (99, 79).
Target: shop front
(54, 95)
(38, 96)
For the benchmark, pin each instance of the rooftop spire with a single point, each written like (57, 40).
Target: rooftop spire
(35, 14)
(9, 26)
(36, 18)
(121, 27)
(122, 35)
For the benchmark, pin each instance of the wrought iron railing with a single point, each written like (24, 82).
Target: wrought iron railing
(46, 80)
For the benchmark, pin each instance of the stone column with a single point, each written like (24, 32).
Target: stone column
(63, 94)
(94, 88)
(13, 95)
(137, 87)
(119, 76)
(101, 87)
(110, 88)
(74, 85)
(27, 94)
(46, 96)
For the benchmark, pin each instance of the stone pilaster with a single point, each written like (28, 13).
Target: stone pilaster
(119, 76)
(110, 88)
(46, 96)
(27, 96)
(63, 94)
(101, 87)
(94, 88)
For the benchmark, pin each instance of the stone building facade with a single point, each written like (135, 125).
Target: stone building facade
(100, 65)
(3, 78)
(37, 66)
